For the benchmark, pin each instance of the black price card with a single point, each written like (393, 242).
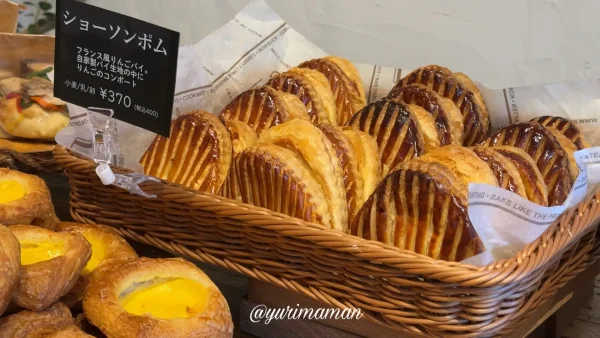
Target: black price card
(108, 60)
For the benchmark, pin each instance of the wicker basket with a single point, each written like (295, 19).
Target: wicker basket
(399, 288)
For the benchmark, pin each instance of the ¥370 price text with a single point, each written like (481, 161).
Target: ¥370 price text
(114, 97)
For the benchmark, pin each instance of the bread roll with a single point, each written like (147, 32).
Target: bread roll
(197, 155)
(312, 88)
(30, 324)
(448, 119)
(10, 267)
(503, 168)
(567, 128)
(264, 107)
(367, 154)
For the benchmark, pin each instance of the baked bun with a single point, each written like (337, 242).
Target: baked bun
(461, 90)
(345, 83)
(532, 178)
(503, 168)
(546, 150)
(10, 269)
(242, 135)
(312, 88)
(276, 178)
(50, 265)
(157, 298)
(369, 164)
(30, 324)
(567, 128)
(319, 155)
(396, 129)
(69, 332)
(421, 207)
(25, 199)
(264, 107)
(448, 118)
(108, 251)
(197, 155)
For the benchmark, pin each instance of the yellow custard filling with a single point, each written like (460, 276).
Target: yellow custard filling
(176, 298)
(34, 252)
(98, 252)
(11, 190)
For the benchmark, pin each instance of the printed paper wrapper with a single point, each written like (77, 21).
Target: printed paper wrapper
(245, 52)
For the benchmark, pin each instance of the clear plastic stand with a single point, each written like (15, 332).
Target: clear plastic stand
(105, 146)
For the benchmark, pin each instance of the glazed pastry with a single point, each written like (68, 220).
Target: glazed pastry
(345, 83)
(547, 152)
(397, 131)
(347, 154)
(25, 199)
(503, 168)
(264, 107)
(431, 139)
(157, 298)
(448, 119)
(421, 207)
(50, 265)
(312, 88)
(567, 128)
(313, 148)
(29, 324)
(532, 178)
(197, 155)
(69, 332)
(242, 135)
(108, 251)
(276, 178)
(367, 154)
(461, 90)
(10, 267)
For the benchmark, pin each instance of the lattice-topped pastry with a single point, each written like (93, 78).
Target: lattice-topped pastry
(369, 164)
(566, 128)
(503, 168)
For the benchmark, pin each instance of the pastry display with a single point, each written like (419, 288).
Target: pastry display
(312, 88)
(462, 91)
(10, 266)
(157, 298)
(51, 263)
(242, 135)
(503, 168)
(197, 155)
(345, 83)
(25, 199)
(108, 250)
(264, 107)
(367, 155)
(30, 324)
(567, 128)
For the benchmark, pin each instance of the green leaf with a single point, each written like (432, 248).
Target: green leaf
(39, 73)
(45, 5)
(50, 16)
(32, 29)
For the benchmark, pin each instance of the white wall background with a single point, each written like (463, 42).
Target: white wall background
(499, 43)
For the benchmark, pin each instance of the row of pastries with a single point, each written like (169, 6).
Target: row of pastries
(50, 270)
(307, 144)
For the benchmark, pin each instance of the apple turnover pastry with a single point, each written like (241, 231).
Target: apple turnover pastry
(242, 135)
(367, 154)
(25, 199)
(155, 298)
(461, 90)
(345, 83)
(567, 128)
(504, 169)
(312, 88)
(552, 155)
(30, 324)
(10, 269)
(264, 107)
(197, 155)
(51, 263)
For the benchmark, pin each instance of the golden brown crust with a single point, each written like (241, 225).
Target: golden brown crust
(319, 155)
(264, 107)
(29, 324)
(531, 176)
(312, 88)
(33, 208)
(570, 149)
(26, 146)
(367, 155)
(242, 135)
(448, 119)
(197, 155)
(69, 332)
(447, 84)
(504, 169)
(550, 157)
(10, 266)
(431, 139)
(101, 303)
(469, 84)
(116, 249)
(397, 131)
(420, 207)
(43, 283)
(564, 126)
(350, 70)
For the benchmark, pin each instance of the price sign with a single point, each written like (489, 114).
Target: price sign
(108, 60)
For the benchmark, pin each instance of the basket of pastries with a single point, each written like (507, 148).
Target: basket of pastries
(65, 279)
(30, 114)
(303, 183)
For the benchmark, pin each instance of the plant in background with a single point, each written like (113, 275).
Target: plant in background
(43, 21)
